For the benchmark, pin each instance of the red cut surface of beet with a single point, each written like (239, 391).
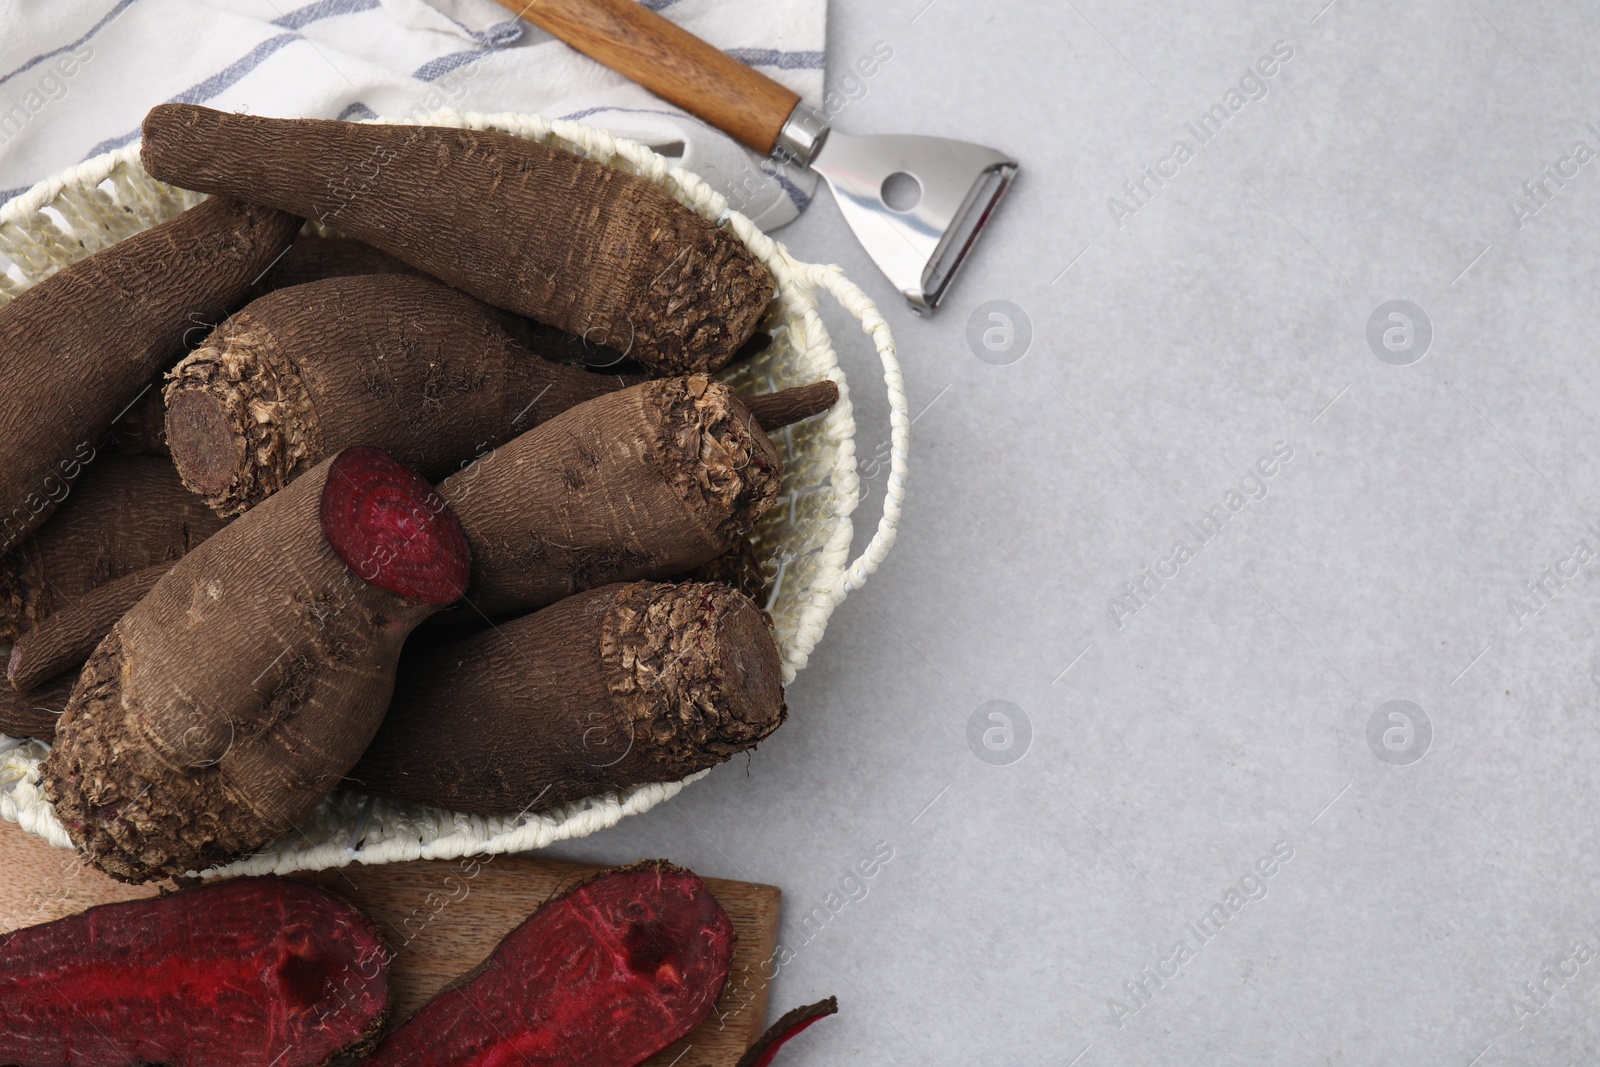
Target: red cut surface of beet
(604, 976)
(389, 526)
(764, 1051)
(248, 973)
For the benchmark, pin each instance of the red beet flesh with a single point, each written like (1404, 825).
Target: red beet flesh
(389, 526)
(605, 976)
(248, 973)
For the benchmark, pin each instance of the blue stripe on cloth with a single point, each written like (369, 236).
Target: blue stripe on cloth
(122, 5)
(357, 110)
(112, 143)
(657, 5)
(801, 198)
(228, 76)
(586, 112)
(219, 82)
(500, 34)
(434, 69)
(496, 36)
(772, 57)
(11, 194)
(322, 9)
(793, 191)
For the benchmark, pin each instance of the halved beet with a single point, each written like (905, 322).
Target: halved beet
(606, 975)
(249, 973)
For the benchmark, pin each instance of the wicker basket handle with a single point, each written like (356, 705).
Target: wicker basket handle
(857, 303)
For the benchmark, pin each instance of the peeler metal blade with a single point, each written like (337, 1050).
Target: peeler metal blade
(921, 245)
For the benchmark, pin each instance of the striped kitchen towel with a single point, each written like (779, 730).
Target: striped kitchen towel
(76, 78)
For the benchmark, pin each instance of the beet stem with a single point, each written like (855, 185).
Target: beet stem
(774, 410)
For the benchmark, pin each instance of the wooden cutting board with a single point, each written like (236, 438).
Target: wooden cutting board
(441, 918)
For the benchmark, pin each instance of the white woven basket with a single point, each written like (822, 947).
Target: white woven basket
(804, 542)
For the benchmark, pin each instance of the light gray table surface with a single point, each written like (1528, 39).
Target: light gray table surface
(1234, 717)
(1205, 834)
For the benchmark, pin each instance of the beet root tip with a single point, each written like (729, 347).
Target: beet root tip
(765, 1050)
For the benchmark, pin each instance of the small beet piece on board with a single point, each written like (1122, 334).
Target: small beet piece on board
(642, 483)
(401, 363)
(230, 701)
(254, 972)
(537, 230)
(606, 975)
(762, 1053)
(125, 513)
(605, 690)
(76, 349)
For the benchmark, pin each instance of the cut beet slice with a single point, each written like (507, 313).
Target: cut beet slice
(778, 1034)
(249, 973)
(606, 975)
(389, 526)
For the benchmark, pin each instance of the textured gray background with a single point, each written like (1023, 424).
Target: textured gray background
(1231, 713)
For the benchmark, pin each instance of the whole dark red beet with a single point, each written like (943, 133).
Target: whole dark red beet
(604, 976)
(248, 973)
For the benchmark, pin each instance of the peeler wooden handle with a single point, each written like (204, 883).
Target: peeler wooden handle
(671, 62)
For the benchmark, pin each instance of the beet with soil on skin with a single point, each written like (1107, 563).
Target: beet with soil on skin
(643, 483)
(600, 253)
(64, 639)
(401, 363)
(125, 513)
(78, 347)
(34, 713)
(606, 690)
(256, 972)
(606, 975)
(142, 429)
(312, 258)
(229, 702)
(740, 567)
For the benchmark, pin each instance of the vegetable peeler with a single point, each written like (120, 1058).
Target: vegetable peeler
(939, 211)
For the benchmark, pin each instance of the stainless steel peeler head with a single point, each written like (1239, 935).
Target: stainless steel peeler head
(920, 247)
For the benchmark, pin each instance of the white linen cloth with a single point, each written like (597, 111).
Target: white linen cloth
(77, 76)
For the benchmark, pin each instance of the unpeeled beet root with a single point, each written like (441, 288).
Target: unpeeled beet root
(78, 347)
(642, 483)
(229, 702)
(313, 258)
(546, 233)
(34, 713)
(142, 431)
(64, 640)
(605, 975)
(125, 514)
(257, 972)
(606, 690)
(397, 362)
